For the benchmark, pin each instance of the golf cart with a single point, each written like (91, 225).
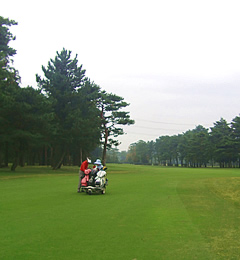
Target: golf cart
(94, 181)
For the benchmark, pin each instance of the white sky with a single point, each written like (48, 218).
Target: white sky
(176, 62)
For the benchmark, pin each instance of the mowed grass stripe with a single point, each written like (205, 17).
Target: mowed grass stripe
(146, 213)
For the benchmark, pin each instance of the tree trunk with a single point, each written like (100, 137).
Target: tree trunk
(58, 155)
(6, 155)
(59, 164)
(15, 161)
(104, 155)
(177, 163)
(45, 155)
(81, 160)
(21, 159)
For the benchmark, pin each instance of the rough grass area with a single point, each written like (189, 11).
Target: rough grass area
(213, 205)
(227, 188)
(146, 213)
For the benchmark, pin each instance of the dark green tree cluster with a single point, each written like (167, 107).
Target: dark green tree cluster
(75, 126)
(200, 147)
(62, 121)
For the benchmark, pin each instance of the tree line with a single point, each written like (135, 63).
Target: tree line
(62, 120)
(200, 147)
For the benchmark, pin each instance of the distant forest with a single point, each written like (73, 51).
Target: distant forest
(200, 147)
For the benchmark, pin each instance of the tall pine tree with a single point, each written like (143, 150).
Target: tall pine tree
(68, 89)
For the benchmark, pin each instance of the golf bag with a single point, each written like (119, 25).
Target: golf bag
(92, 177)
(85, 179)
(100, 179)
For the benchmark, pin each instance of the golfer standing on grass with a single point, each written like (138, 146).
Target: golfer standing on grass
(83, 167)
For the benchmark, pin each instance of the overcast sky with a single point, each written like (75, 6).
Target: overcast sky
(177, 62)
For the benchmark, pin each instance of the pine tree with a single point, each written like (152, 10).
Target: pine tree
(113, 117)
(72, 96)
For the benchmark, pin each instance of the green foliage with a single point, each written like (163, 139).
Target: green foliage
(8, 75)
(25, 122)
(221, 139)
(141, 152)
(235, 135)
(197, 146)
(5, 37)
(9, 88)
(8, 82)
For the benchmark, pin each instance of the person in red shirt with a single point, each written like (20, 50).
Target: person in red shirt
(84, 166)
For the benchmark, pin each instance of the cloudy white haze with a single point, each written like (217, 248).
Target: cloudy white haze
(176, 62)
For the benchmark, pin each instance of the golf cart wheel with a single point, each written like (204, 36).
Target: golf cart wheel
(89, 192)
(103, 191)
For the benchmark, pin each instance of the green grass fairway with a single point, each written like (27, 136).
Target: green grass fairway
(147, 213)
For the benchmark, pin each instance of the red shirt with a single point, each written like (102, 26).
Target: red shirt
(84, 166)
